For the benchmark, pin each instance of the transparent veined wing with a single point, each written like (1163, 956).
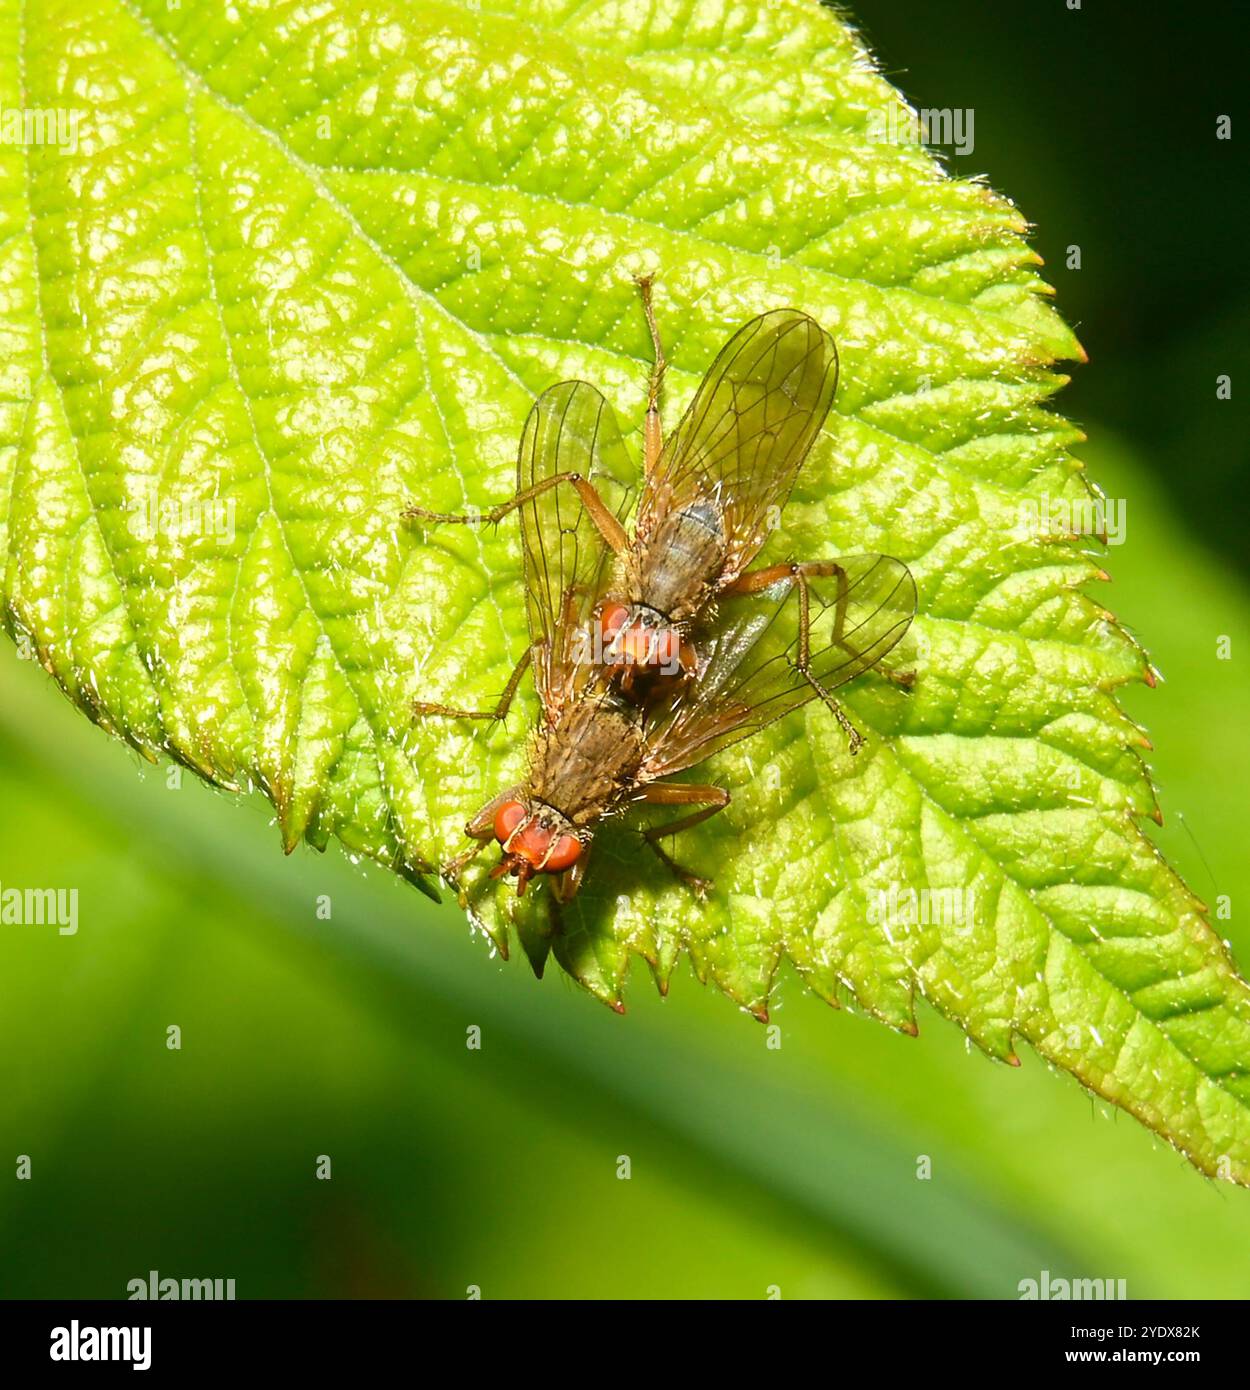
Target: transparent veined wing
(750, 670)
(571, 429)
(751, 424)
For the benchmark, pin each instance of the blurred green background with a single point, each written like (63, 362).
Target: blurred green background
(752, 1169)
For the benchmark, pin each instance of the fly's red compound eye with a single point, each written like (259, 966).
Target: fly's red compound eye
(533, 843)
(634, 644)
(667, 651)
(612, 619)
(644, 646)
(564, 853)
(507, 818)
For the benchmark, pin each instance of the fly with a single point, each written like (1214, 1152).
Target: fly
(598, 749)
(711, 495)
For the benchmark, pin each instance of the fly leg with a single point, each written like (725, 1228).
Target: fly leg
(422, 709)
(653, 438)
(709, 800)
(480, 830)
(452, 868)
(565, 886)
(607, 525)
(755, 580)
(904, 679)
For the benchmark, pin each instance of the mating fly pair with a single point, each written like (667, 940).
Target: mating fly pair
(654, 647)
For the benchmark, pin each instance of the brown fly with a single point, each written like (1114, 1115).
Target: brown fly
(711, 495)
(597, 751)
(713, 492)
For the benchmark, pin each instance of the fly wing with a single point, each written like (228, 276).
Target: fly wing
(750, 669)
(751, 424)
(571, 429)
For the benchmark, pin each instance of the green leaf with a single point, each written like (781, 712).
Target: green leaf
(299, 266)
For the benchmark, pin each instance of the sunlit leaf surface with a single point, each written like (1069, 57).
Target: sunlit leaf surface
(281, 268)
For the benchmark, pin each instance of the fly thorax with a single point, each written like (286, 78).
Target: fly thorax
(586, 759)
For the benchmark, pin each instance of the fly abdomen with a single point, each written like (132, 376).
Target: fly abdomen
(684, 558)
